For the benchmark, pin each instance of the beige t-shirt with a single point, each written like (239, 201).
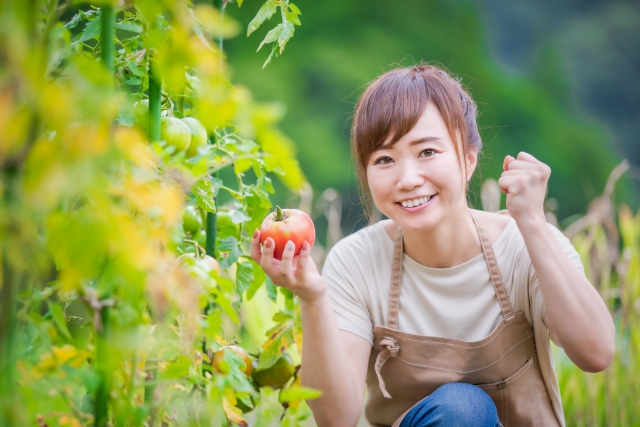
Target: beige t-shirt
(457, 302)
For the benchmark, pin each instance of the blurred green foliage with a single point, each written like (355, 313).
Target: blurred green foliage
(344, 45)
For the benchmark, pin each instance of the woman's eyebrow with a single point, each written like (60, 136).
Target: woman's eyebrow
(425, 139)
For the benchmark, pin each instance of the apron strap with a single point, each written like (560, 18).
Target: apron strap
(489, 256)
(396, 277)
(492, 265)
(391, 349)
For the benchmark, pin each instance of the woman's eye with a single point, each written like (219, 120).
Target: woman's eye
(381, 160)
(430, 150)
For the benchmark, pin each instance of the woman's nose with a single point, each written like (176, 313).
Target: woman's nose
(411, 176)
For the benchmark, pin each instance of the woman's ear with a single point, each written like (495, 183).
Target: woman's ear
(471, 161)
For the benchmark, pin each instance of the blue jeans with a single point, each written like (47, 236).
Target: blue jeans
(454, 405)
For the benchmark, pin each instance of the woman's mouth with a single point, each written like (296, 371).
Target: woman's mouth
(416, 205)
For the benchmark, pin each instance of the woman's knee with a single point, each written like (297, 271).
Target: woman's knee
(457, 404)
(461, 398)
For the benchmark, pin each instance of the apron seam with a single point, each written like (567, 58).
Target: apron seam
(460, 372)
(525, 329)
(454, 344)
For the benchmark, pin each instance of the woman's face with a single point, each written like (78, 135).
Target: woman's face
(422, 165)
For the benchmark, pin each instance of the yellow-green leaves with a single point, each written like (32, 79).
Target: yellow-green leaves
(205, 193)
(266, 12)
(280, 337)
(280, 34)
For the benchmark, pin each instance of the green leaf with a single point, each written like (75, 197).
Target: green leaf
(292, 17)
(257, 206)
(244, 277)
(288, 298)
(266, 12)
(133, 68)
(128, 26)
(133, 81)
(272, 35)
(177, 369)
(268, 185)
(273, 54)
(92, 30)
(74, 21)
(224, 303)
(294, 9)
(272, 291)
(58, 318)
(231, 245)
(296, 394)
(279, 339)
(205, 195)
(287, 32)
(240, 5)
(239, 217)
(259, 278)
(242, 165)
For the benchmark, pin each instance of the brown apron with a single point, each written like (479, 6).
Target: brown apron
(504, 364)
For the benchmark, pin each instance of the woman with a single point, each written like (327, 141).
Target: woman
(444, 312)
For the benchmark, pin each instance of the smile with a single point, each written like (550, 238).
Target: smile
(416, 204)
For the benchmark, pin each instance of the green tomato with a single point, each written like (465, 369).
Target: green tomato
(201, 238)
(198, 135)
(175, 133)
(225, 225)
(141, 111)
(200, 266)
(191, 221)
(277, 375)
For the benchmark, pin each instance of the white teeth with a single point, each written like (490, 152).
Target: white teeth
(416, 202)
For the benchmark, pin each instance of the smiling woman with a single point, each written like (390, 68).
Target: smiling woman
(444, 313)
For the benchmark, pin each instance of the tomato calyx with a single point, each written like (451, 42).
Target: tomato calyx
(280, 215)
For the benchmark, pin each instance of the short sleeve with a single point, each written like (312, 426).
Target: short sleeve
(346, 283)
(538, 307)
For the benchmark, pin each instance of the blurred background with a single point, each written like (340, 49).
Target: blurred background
(557, 79)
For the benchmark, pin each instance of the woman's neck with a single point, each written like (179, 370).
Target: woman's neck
(453, 241)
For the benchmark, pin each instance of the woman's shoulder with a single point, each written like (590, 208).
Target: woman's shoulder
(495, 223)
(367, 243)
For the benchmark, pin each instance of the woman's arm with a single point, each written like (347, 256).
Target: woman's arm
(576, 314)
(334, 362)
(325, 362)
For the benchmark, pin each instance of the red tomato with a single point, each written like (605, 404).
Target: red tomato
(283, 225)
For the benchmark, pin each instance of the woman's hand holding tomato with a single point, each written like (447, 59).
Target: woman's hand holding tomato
(524, 181)
(287, 262)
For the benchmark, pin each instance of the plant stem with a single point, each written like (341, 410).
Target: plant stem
(108, 30)
(155, 87)
(103, 352)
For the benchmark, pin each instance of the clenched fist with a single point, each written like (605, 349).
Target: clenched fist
(524, 181)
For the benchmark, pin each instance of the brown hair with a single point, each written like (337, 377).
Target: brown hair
(394, 102)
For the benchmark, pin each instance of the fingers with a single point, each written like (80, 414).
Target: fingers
(521, 165)
(303, 258)
(505, 163)
(267, 262)
(529, 158)
(509, 184)
(286, 265)
(524, 161)
(255, 252)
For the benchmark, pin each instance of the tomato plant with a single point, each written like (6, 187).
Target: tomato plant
(114, 123)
